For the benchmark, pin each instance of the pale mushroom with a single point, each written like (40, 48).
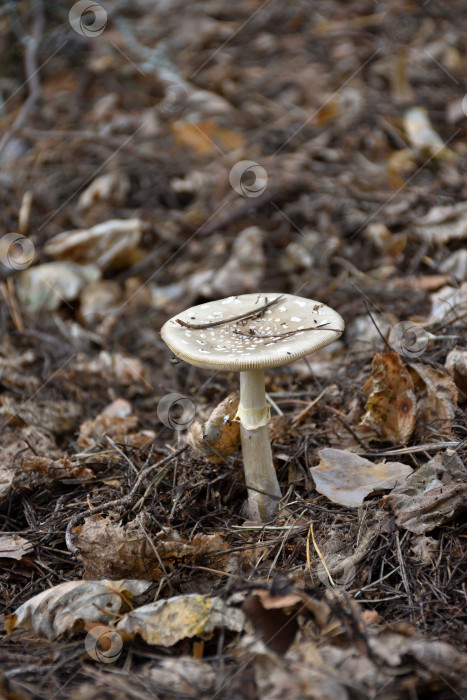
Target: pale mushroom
(248, 334)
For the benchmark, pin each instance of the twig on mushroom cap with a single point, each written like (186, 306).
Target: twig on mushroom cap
(287, 334)
(240, 317)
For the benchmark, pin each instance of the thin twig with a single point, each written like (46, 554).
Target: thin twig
(287, 333)
(247, 314)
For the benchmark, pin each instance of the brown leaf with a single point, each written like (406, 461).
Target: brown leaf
(198, 137)
(14, 547)
(38, 471)
(109, 244)
(431, 496)
(117, 422)
(220, 435)
(275, 627)
(108, 548)
(391, 405)
(437, 399)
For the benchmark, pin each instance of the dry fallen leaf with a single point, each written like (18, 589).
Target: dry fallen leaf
(14, 547)
(111, 187)
(36, 471)
(382, 666)
(44, 287)
(220, 435)
(168, 621)
(436, 400)
(347, 478)
(448, 304)
(274, 617)
(110, 244)
(120, 428)
(443, 224)
(57, 610)
(432, 495)
(456, 364)
(203, 136)
(110, 549)
(391, 406)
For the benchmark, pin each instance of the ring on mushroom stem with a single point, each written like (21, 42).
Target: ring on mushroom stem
(248, 334)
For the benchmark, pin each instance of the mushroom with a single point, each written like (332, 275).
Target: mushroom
(248, 334)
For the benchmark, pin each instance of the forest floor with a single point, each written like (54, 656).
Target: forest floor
(154, 156)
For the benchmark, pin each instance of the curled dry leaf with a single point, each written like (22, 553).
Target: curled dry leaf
(274, 618)
(391, 406)
(45, 287)
(220, 435)
(111, 188)
(59, 609)
(437, 399)
(108, 548)
(119, 368)
(443, 224)
(431, 496)
(347, 478)
(168, 621)
(111, 244)
(456, 364)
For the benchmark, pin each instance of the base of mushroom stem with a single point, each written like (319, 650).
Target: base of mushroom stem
(262, 511)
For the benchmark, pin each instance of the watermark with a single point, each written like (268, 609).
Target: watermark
(322, 254)
(409, 339)
(88, 18)
(401, 27)
(248, 178)
(341, 570)
(17, 252)
(175, 99)
(103, 644)
(176, 411)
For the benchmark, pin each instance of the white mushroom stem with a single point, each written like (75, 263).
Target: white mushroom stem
(260, 474)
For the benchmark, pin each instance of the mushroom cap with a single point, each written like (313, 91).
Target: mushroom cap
(286, 331)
